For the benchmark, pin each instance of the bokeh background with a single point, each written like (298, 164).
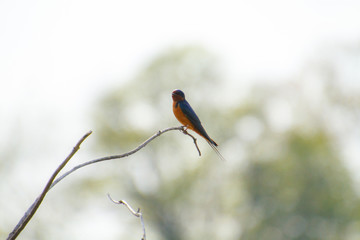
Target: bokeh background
(276, 84)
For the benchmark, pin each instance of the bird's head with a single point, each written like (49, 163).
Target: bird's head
(178, 95)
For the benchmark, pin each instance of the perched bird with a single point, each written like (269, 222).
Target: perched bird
(186, 116)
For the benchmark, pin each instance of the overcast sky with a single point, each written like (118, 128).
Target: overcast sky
(54, 48)
(57, 57)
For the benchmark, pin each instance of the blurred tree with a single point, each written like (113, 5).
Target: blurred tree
(284, 178)
(304, 194)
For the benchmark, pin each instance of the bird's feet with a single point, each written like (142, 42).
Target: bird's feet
(184, 128)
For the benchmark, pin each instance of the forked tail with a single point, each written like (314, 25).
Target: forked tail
(213, 146)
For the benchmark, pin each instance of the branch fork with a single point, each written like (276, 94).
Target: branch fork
(184, 130)
(135, 213)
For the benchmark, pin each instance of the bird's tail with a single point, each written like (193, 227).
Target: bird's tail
(214, 145)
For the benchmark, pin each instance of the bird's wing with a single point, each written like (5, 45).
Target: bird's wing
(189, 113)
(195, 121)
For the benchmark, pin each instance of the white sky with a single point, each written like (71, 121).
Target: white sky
(57, 57)
(74, 49)
(68, 51)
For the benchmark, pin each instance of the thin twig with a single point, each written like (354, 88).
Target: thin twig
(181, 128)
(31, 211)
(135, 213)
(195, 140)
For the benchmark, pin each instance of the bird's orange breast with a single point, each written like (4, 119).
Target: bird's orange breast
(180, 116)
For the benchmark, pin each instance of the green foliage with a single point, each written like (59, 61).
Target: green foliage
(278, 183)
(305, 194)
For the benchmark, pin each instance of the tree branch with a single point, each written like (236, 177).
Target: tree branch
(160, 132)
(195, 140)
(31, 211)
(136, 214)
(51, 183)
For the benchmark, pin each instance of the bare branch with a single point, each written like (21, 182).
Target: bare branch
(136, 214)
(160, 132)
(51, 183)
(31, 211)
(195, 140)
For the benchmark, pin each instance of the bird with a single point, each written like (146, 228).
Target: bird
(187, 116)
